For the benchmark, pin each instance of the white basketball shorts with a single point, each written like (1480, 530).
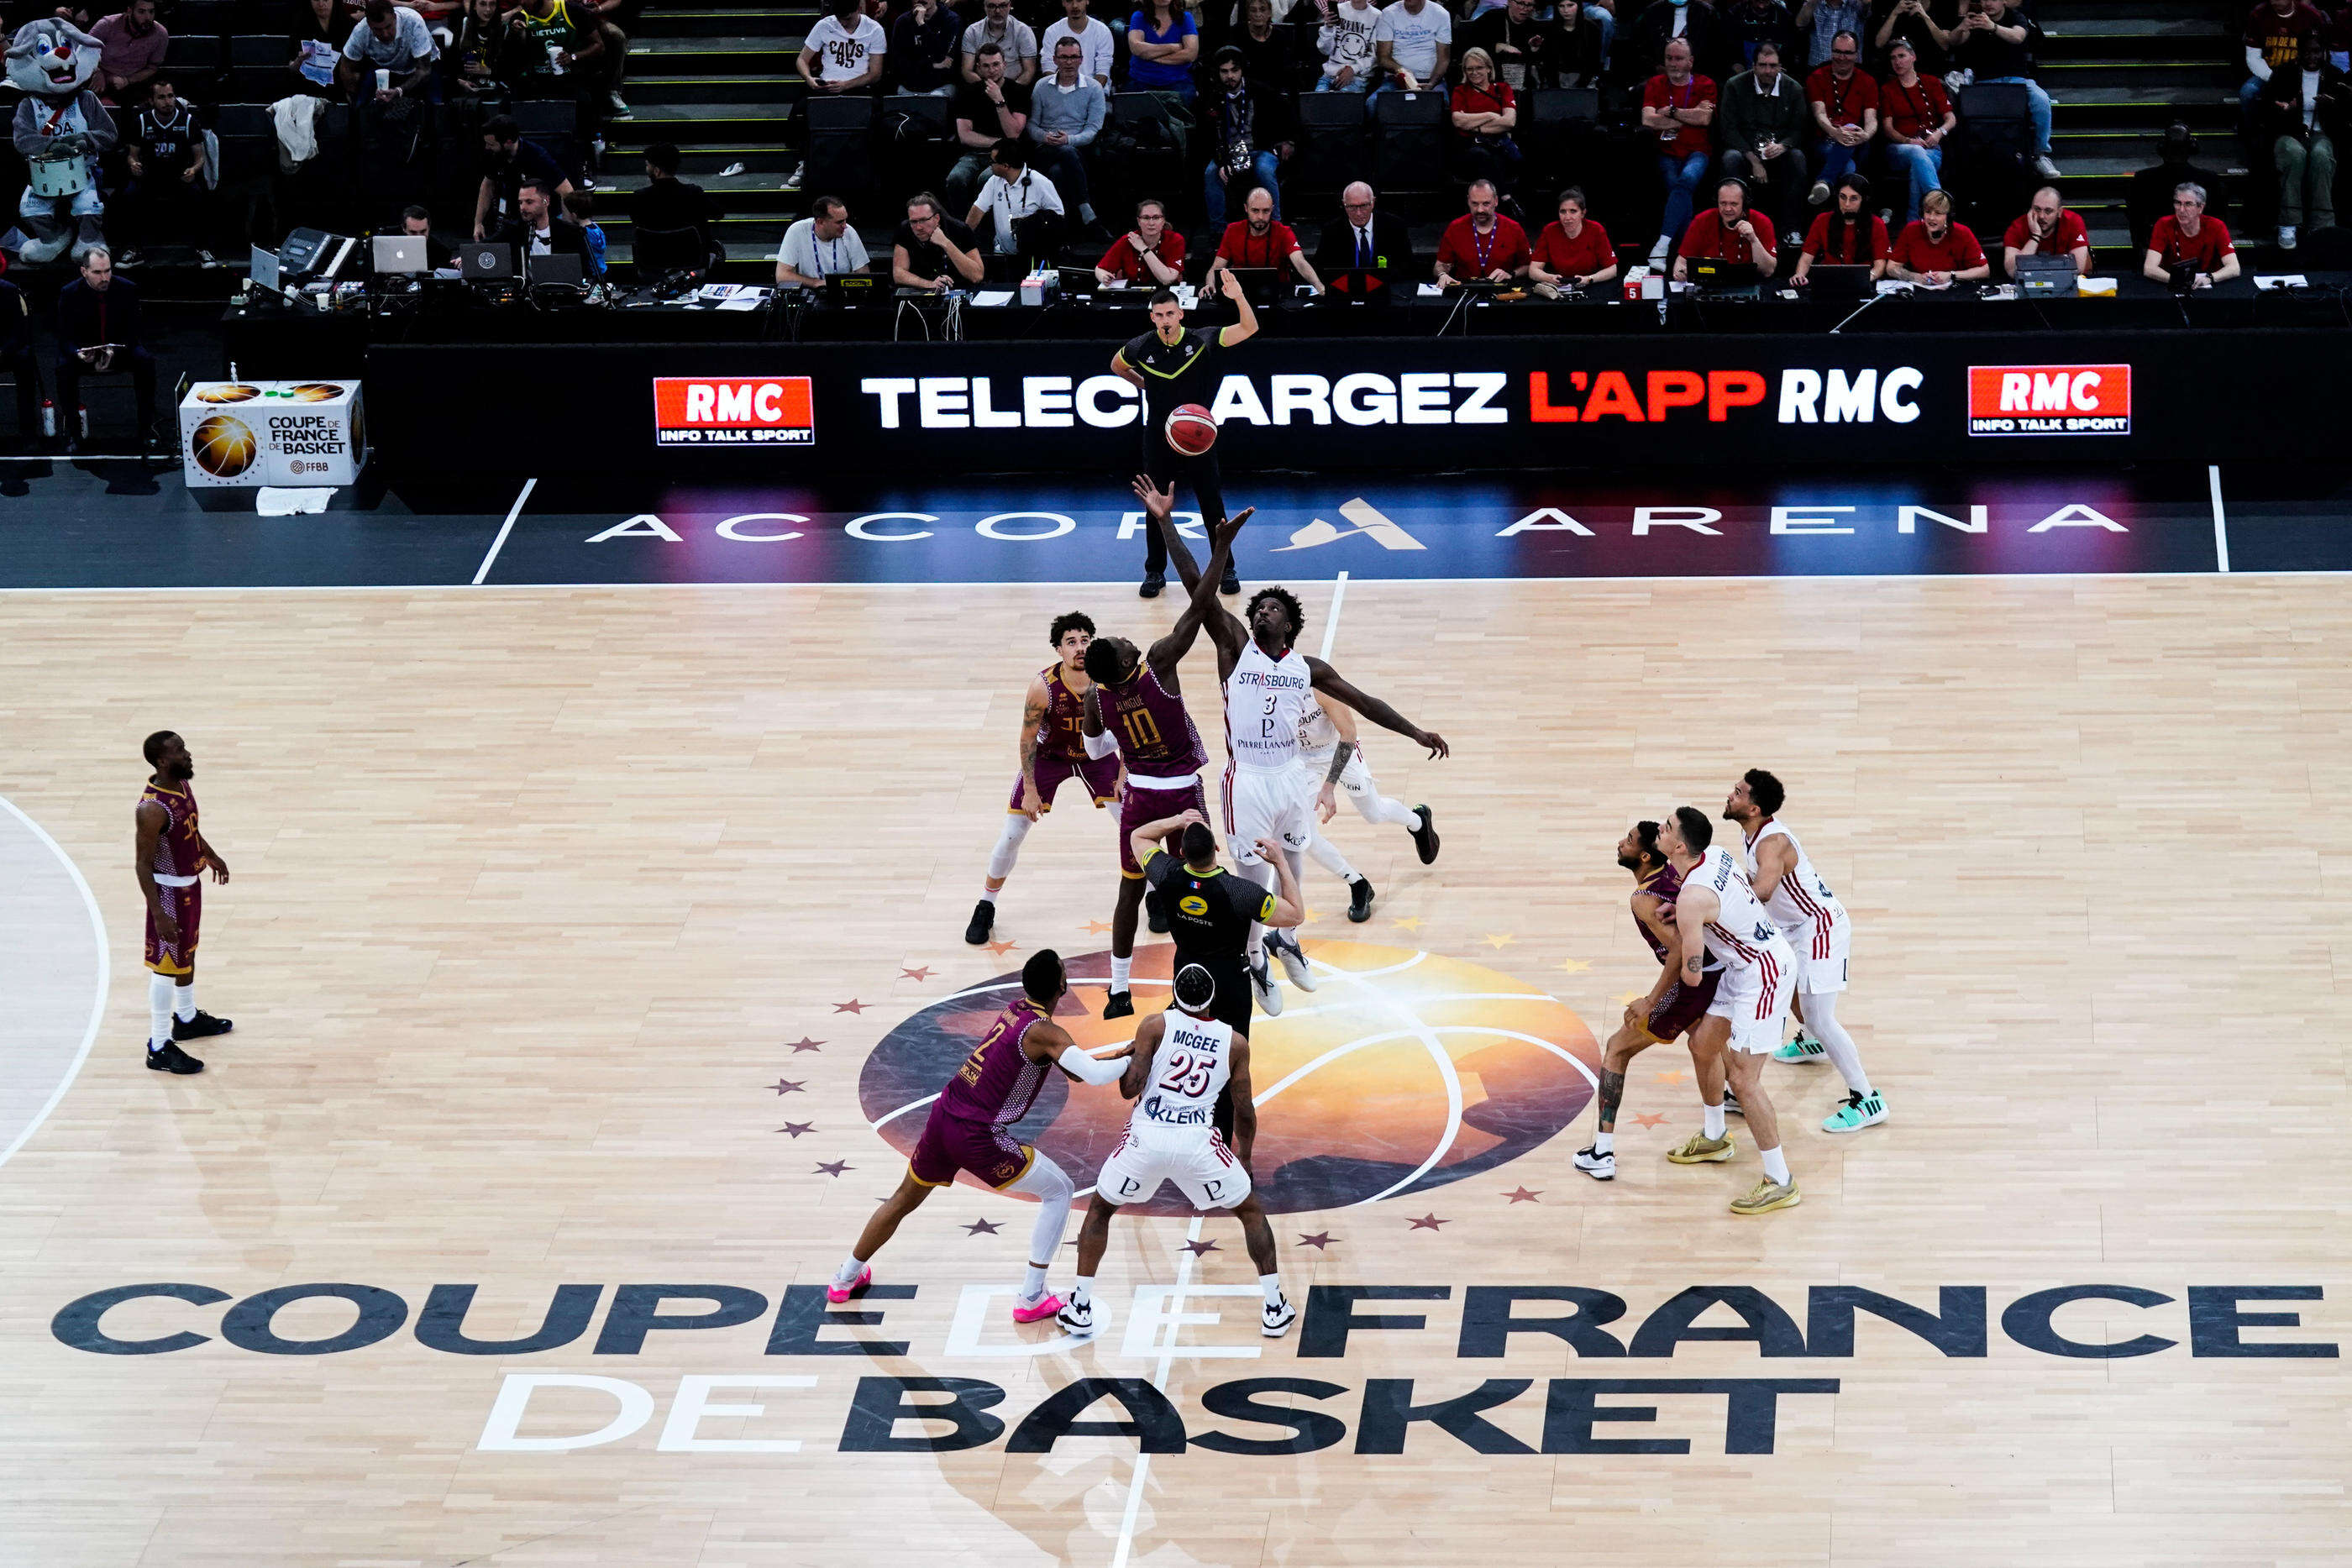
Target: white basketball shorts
(1822, 954)
(1265, 803)
(1196, 1160)
(1756, 1000)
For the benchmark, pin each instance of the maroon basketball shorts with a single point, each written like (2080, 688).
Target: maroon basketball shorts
(1141, 804)
(1100, 774)
(951, 1143)
(186, 905)
(1679, 1011)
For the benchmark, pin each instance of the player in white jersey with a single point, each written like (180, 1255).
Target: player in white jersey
(1330, 761)
(1182, 1059)
(1819, 929)
(1718, 915)
(1267, 682)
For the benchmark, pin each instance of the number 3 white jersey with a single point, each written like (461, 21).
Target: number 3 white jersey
(1808, 913)
(1267, 699)
(1171, 1134)
(1742, 934)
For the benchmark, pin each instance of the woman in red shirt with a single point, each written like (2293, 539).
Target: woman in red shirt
(1846, 235)
(1936, 252)
(1485, 114)
(1573, 252)
(1918, 116)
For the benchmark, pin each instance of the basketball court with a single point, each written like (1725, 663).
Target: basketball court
(601, 865)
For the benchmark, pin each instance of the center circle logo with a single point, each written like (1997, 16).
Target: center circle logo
(1405, 1071)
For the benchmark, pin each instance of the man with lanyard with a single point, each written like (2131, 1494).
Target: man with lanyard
(1173, 367)
(1846, 112)
(819, 247)
(1210, 912)
(1730, 233)
(1482, 246)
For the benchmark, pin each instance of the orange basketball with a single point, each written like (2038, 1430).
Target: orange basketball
(223, 446)
(1191, 430)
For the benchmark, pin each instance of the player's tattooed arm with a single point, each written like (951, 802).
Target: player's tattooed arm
(1033, 718)
(1140, 1055)
(1693, 910)
(1341, 756)
(1328, 679)
(149, 818)
(1775, 858)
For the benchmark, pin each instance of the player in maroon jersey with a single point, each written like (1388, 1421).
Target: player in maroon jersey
(970, 1129)
(170, 858)
(1670, 1008)
(1052, 750)
(1135, 710)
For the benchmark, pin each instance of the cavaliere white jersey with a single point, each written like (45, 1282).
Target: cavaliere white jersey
(1742, 934)
(1267, 699)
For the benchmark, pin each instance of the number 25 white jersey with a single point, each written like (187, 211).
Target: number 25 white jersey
(1742, 932)
(1266, 699)
(1187, 1072)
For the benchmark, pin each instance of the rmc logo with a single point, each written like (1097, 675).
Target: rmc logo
(695, 411)
(2050, 400)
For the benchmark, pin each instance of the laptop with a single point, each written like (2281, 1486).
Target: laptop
(2046, 275)
(854, 287)
(1840, 282)
(1711, 272)
(397, 254)
(1261, 285)
(564, 269)
(1079, 282)
(486, 261)
(264, 270)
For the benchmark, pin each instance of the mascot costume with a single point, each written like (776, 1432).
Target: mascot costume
(60, 130)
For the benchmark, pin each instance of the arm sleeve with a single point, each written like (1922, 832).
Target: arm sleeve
(1089, 1069)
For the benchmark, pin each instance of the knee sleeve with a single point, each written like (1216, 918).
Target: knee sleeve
(1050, 1185)
(1008, 844)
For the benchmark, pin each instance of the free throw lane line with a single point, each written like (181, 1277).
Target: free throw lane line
(504, 529)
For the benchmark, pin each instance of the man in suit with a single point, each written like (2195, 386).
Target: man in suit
(540, 230)
(98, 331)
(1364, 237)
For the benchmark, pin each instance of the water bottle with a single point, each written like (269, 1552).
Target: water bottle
(83, 423)
(48, 419)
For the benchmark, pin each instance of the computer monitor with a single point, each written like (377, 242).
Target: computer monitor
(1839, 282)
(1712, 272)
(1261, 284)
(552, 269)
(855, 287)
(486, 261)
(397, 254)
(2047, 274)
(265, 269)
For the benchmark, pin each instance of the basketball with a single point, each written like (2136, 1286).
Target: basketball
(224, 447)
(1191, 430)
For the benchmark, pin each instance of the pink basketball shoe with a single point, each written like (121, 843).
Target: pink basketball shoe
(1047, 1306)
(837, 1294)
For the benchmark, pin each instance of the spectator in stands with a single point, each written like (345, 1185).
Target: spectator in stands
(1066, 114)
(1015, 38)
(567, 53)
(319, 31)
(932, 252)
(508, 159)
(1918, 118)
(99, 332)
(390, 38)
(167, 199)
(668, 204)
(1482, 244)
(536, 230)
(1022, 206)
(580, 212)
(2151, 189)
(1485, 114)
(131, 45)
(1914, 23)
(1729, 231)
(1345, 41)
(1845, 113)
(1247, 134)
(1819, 22)
(2276, 33)
(1524, 50)
(615, 19)
(1148, 255)
(989, 108)
(1765, 125)
(2293, 120)
(2048, 227)
(1995, 43)
(1573, 252)
(2340, 38)
(1847, 235)
(1752, 24)
(1578, 46)
(1365, 238)
(1095, 45)
(819, 247)
(845, 52)
(1694, 21)
(1162, 46)
(1935, 252)
(1257, 240)
(16, 355)
(417, 223)
(2191, 248)
(1412, 45)
(1678, 108)
(924, 42)
(1268, 59)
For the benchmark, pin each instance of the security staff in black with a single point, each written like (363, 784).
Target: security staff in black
(1209, 914)
(1174, 367)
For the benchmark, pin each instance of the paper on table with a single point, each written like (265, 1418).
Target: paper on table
(751, 301)
(993, 296)
(2283, 280)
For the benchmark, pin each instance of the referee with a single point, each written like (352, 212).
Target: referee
(1209, 914)
(1174, 367)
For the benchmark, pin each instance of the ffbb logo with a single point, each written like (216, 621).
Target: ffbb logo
(772, 411)
(2050, 400)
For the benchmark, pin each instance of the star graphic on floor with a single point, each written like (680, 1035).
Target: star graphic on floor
(916, 974)
(1521, 1196)
(786, 1086)
(1199, 1248)
(1318, 1242)
(1574, 965)
(835, 1167)
(1621, 998)
(1001, 948)
(1498, 940)
(804, 1043)
(1429, 1222)
(1409, 923)
(1674, 1077)
(983, 1227)
(852, 1006)
(1097, 927)
(1649, 1121)
(797, 1128)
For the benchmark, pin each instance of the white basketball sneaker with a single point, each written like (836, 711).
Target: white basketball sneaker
(1293, 960)
(1599, 1166)
(1077, 1318)
(1274, 1320)
(1269, 995)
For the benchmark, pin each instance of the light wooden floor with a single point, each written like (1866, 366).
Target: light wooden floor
(531, 888)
